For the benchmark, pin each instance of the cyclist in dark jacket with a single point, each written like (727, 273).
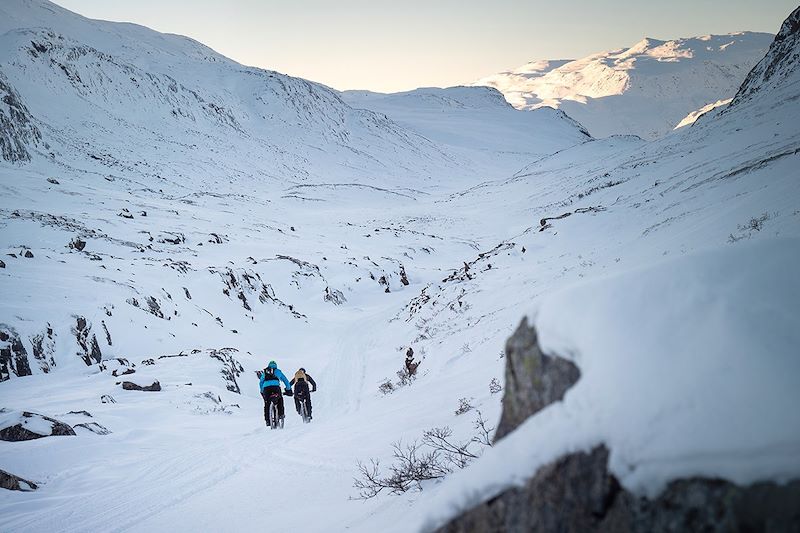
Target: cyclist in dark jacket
(300, 382)
(270, 381)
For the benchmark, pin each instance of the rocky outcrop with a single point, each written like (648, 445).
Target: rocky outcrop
(781, 62)
(130, 385)
(577, 492)
(17, 129)
(44, 348)
(231, 368)
(13, 356)
(87, 341)
(533, 380)
(9, 481)
(20, 426)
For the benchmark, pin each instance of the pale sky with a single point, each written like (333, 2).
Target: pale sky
(391, 45)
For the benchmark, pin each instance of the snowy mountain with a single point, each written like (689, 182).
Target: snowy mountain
(170, 221)
(475, 122)
(643, 90)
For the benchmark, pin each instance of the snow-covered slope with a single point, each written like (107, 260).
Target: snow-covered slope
(191, 249)
(81, 83)
(475, 122)
(643, 90)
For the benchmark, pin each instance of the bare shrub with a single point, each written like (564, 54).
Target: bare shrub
(464, 406)
(386, 387)
(494, 386)
(434, 457)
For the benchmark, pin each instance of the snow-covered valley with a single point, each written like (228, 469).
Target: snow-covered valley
(168, 215)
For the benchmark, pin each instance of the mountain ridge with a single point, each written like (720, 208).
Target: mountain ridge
(615, 92)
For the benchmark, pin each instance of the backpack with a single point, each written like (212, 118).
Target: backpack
(269, 374)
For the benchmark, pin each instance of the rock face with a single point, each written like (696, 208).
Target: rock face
(9, 481)
(781, 62)
(13, 356)
(17, 129)
(577, 492)
(28, 426)
(533, 379)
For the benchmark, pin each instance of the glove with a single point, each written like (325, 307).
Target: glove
(288, 392)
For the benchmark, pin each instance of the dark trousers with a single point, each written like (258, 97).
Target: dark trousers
(275, 391)
(301, 394)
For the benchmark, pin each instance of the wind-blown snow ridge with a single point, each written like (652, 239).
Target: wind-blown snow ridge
(643, 90)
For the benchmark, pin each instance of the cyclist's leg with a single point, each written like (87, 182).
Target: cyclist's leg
(280, 406)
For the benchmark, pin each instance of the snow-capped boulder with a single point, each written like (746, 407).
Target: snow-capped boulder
(24, 425)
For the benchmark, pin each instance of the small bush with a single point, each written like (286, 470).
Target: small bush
(386, 387)
(464, 406)
(494, 386)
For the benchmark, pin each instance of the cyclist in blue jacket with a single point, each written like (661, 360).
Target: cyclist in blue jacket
(270, 382)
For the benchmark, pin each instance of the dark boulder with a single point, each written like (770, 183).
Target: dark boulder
(129, 385)
(533, 380)
(9, 481)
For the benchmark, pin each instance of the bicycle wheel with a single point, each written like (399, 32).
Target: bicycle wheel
(304, 411)
(273, 415)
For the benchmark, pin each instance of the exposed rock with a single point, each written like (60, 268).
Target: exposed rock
(28, 254)
(2, 264)
(577, 493)
(533, 379)
(17, 129)
(53, 181)
(13, 356)
(231, 368)
(22, 426)
(107, 398)
(9, 481)
(129, 385)
(403, 276)
(93, 427)
(77, 244)
(334, 296)
(87, 341)
(44, 348)
(781, 60)
(168, 237)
